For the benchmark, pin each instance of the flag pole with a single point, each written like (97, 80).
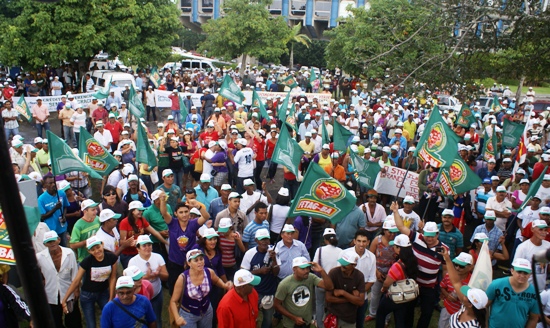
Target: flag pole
(402, 182)
(20, 238)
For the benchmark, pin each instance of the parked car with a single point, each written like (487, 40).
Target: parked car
(541, 105)
(100, 77)
(449, 103)
(485, 104)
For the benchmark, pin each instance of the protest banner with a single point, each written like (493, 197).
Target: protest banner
(388, 183)
(51, 101)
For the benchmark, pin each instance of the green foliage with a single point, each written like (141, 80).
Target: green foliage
(140, 32)
(314, 55)
(246, 28)
(189, 39)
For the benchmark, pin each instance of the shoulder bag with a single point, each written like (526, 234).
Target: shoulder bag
(403, 291)
(142, 321)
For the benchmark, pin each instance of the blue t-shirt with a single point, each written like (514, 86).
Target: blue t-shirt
(509, 309)
(46, 202)
(254, 260)
(345, 230)
(113, 316)
(249, 232)
(181, 241)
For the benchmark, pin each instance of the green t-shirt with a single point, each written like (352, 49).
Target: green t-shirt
(83, 230)
(297, 297)
(164, 161)
(174, 194)
(43, 158)
(154, 217)
(516, 307)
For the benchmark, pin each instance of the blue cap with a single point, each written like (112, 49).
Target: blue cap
(486, 181)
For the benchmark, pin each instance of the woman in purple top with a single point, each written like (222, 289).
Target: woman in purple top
(182, 232)
(219, 161)
(192, 291)
(209, 244)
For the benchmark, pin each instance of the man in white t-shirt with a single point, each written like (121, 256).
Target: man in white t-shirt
(501, 206)
(208, 154)
(244, 160)
(410, 218)
(544, 190)
(376, 214)
(528, 215)
(251, 196)
(108, 232)
(533, 245)
(103, 136)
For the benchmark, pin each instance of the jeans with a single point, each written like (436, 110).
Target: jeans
(87, 303)
(401, 313)
(69, 135)
(361, 314)
(149, 110)
(444, 318)
(63, 239)
(178, 178)
(427, 298)
(174, 271)
(267, 314)
(124, 259)
(77, 138)
(292, 186)
(13, 132)
(156, 302)
(258, 174)
(375, 297)
(39, 127)
(148, 183)
(177, 117)
(240, 181)
(272, 170)
(195, 321)
(72, 320)
(319, 306)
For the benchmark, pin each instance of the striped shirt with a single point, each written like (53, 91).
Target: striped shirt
(452, 307)
(228, 252)
(250, 232)
(429, 261)
(455, 323)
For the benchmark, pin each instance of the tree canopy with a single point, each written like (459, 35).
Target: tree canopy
(246, 28)
(34, 34)
(453, 40)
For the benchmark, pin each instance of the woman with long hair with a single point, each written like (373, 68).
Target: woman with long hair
(189, 147)
(472, 313)
(405, 268)
(327, 257)
(209, 244)
(385, 257)
(277, 214)
(133, 226)
(113, 202)
(192, 291)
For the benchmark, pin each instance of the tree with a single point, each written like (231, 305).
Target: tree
(34, 34)
(434, 41)
(246, 28)
(189, 39)
(313, 55)
(296, 37)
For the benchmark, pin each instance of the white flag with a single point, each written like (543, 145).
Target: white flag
(483, 271)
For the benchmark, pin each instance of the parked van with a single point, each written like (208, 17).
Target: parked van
(198, 64)
(100, 77)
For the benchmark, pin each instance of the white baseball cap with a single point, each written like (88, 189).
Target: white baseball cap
(288, 228)
(87, 203)
(144, 239)
(463, 259)
(476, 296)
(92, 241)
(133, 272)
(262, 234)
(50, 236)
(108, 214)
(520, 264)
(329, 231)
(401, 241)
(448, 212)
(244, 277)
(225, 224)
(301, 262)
(348, 257)
(124, 282)
(136, 205)
(430, 229)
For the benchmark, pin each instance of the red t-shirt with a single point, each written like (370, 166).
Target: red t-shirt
(141, 223)
(115, 129)
(259, 149)
(146, 289)
(206, 137)
(100, 114)
(270, 148)
(452, 307)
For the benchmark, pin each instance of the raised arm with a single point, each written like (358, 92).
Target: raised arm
(398, 220)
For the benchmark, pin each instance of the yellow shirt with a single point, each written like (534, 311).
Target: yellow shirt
(307, 148)
(325, 162)
(240, 115)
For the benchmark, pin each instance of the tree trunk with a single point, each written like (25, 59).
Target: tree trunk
(518, 92)
(291, 61)
(243, 65)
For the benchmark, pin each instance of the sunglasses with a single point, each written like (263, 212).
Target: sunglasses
(110, 194)
(459, 266)
(190, 191)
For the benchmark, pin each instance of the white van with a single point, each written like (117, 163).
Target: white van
(100, 77)
(191, 64)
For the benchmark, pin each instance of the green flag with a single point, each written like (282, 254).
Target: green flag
(94, 154)
(465, 117)
(490, 147)
(284, 107)
(257, 102)
(103, 93)
(230, 90)
(184, 111)
(291, 118)
(324, 133)
(155, 77)
(290, 82)
(457, 178)
(496, 104)
(23, 108)
(312, 77)
(64, 160)
(511, 133)
(438, 144)
(342, 137)
(365, 171)
(322, 196)
(135, 105)
(287, 152)
(144, 153)
(533, 189)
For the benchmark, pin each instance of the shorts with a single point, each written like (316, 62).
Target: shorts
(220, 179)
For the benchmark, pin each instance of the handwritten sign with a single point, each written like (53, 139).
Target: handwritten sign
(389, 183)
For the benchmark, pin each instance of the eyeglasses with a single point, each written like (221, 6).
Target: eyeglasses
(110, 194)
(121, 293)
